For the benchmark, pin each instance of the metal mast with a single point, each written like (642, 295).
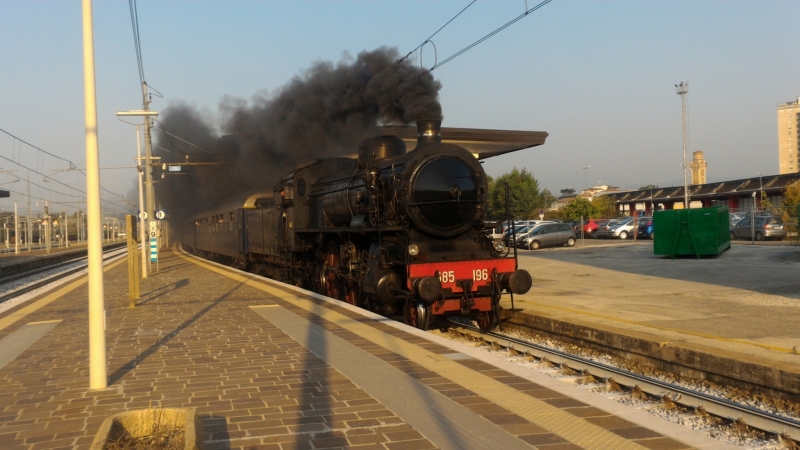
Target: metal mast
(148, 166)
(682, 89)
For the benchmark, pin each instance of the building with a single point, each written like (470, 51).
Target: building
(698, 166)
(593, 191)
(789, 137)
(738, 195)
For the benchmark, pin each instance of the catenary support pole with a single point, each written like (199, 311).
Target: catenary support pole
(142, 223)
(16, 230)
(98, 378)
(148, 164)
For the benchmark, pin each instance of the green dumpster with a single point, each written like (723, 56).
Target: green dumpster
(702, 231)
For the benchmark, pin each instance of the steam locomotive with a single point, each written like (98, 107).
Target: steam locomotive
(397, 232)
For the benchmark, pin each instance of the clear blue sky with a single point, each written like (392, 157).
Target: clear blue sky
(597, 75)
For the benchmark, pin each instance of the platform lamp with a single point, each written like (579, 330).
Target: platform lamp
(142, 228)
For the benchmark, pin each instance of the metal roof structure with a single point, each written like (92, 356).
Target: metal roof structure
(482, 142)
(770, 184)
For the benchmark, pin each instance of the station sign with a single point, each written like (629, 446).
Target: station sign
(153, 248)
(174, 168)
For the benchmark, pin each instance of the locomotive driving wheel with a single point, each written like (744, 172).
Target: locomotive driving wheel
(417, 314)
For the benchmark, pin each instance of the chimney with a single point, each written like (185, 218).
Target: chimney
(429, 132)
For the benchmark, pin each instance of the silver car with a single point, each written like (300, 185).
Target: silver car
(548, 235)
(620, 229)
(765, 227)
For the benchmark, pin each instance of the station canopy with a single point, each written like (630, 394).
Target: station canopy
(481, 142)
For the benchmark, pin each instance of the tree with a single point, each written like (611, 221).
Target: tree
(567, 193)
(604, 206)
(791, 201)
(524, 195)
(547, 198)
(580, 207)
(648, 186)
(601, 206)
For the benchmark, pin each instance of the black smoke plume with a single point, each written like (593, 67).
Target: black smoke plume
(323, 112)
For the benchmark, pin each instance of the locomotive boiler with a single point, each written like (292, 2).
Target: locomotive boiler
(398, 232)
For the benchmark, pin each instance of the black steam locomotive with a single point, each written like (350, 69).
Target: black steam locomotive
(396, 232)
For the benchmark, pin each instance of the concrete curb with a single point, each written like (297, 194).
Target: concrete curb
(725, 368)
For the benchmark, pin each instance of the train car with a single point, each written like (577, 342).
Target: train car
(400, 233)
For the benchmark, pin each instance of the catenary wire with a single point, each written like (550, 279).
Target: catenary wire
(179, 138)
(434, 34)
(72, 166)
(467, 48)
(137, 42)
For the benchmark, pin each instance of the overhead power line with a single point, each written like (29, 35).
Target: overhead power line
(72, 166)
(179, 138)
(467, 48)
(37, 148)
(434, 34)
(137, 43)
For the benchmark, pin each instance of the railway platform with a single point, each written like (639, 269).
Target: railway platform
(733, 319)
(269, 366)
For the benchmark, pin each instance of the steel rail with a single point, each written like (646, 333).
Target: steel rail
(24, 273)
(720, 407)
(45, 281)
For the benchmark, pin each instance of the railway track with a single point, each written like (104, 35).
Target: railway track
(108, 253)
(670, 394)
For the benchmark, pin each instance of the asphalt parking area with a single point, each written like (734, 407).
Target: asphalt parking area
(769, 267)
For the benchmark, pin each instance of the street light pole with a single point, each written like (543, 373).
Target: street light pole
(682, 89)
(585, 183)
(98, 377)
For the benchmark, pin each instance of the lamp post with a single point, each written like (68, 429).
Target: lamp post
(146, 165)
(682, 89)
(98, 376)
(585, 183)
(760, 190)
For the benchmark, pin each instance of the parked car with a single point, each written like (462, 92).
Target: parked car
(548, 235)
(620, 229)
(591, 226)
(516, 230)
(645, 230)
(765, 227)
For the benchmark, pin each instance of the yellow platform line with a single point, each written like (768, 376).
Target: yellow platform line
(49, 298)
(662, 328)
(570, 427)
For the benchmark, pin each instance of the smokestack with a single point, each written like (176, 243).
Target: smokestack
(429, 132)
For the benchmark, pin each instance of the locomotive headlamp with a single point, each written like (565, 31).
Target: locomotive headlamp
(413, 250)
(499, 246)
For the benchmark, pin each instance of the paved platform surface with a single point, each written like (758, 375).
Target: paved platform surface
(269, 368)
(737, 314)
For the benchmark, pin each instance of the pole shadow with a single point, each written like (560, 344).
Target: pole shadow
(165, 290)
(130, 365)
